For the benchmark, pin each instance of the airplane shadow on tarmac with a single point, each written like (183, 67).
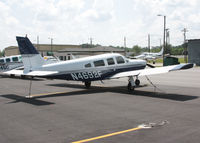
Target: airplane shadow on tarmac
(94, 89)
(33, 101)
(119, 89)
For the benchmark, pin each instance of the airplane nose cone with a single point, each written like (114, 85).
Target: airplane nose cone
(143, 62)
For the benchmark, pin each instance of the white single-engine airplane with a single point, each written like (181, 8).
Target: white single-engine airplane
(150, 56)
(88, 69)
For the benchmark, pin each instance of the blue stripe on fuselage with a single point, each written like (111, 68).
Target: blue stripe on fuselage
(94, 75)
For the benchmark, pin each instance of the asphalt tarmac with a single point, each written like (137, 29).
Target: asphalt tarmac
(64, 111)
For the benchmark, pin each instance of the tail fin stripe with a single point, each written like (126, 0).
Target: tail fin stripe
(25, 46)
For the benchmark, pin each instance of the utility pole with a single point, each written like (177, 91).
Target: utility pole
(149, 44)
(51, 45)
(125, 46)
(164, 43)
(91, 42)
(38, 44)
(167, 36)
(160, 42)
(185, 47)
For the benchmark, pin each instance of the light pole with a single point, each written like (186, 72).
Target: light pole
(51, 45)
(185, 46)
(163, 36)
(125, 46)
(38, 44)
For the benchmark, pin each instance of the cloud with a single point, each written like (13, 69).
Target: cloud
(106, 21)
(96, 16)
(67, 5)
(100, 11)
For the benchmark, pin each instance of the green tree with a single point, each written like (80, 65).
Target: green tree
(168, 49)
(136, 49)
(155, 49)
(177, 50)
(2, 53)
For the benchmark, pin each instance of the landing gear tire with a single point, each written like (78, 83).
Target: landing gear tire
(12, 75)
(87, 84)
(137, 82)
(130, 87)
(23, 76)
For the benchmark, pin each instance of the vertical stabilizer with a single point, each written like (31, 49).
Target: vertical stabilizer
(30, 56)
(161, 52)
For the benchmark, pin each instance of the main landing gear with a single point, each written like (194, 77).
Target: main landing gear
(87, 84)
(132, 84)
(137, 82)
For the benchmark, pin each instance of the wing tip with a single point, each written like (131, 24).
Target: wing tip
(187, 66)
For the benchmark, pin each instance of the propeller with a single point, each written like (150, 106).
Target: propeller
(149, 65)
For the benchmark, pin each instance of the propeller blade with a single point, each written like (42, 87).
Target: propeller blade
(149, 65)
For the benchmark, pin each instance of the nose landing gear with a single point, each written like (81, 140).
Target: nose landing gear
(131, 84)
(130, 87)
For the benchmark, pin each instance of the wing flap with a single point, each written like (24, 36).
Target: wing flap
(152, 71)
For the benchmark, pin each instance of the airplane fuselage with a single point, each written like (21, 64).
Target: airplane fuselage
(92, 68)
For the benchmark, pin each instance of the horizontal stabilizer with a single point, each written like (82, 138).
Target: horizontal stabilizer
(33, 73)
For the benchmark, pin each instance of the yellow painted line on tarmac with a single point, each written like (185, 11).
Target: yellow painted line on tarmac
(45, 94)
(51, 93)
(107, 135)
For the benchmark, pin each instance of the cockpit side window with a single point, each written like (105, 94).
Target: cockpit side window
(120, 60)
(7, 60)
(88, 65)
(15, 59)
(1, 60)
(110, 61)
(99, 63)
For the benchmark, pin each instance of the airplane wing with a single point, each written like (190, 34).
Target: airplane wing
(152, 71)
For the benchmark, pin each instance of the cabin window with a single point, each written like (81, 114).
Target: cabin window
(2, 61)
(99, 63)
(88, 65)
(65, 58)
(7, 60)
(120, 60)
(61, 58)
(68, 57)
(15, 59)
(110, 61)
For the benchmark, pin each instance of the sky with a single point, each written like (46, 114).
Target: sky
(107, 22)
